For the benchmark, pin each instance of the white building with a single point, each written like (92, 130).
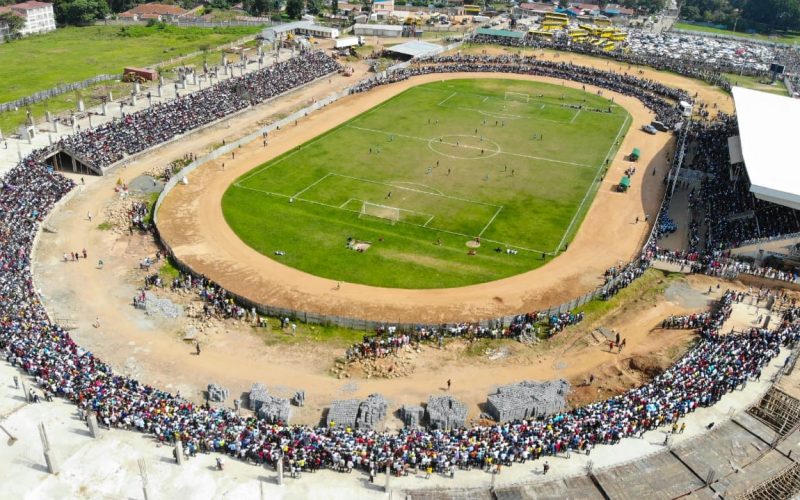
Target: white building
(39, 17)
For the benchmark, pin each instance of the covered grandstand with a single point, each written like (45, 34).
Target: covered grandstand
(767, 132)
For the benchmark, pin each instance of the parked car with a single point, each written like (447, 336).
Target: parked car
(649, 129)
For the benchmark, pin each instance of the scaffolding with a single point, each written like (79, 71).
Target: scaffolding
(785, 484)
(778, 410)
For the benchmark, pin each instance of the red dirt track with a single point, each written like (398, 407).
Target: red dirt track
(192, 224)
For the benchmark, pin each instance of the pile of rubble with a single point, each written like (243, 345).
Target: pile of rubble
(358, 414)
(400, 364)
(117, 213)
(528, 399)
(165, 308)
(216, 393)
(446, 412)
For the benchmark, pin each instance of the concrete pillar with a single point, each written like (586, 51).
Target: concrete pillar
(81, 106)
(90, 121)
(110, 96)
(22, 382)
(74, 164)
(388, 478)
(158, 91)
(55, 126)
(179, 452)
(50, 139)
(19, 156)
(149, 99)
(1, 135)
(134, 99)
(48, 116)
(121, 106)
(279, 467)
(94, 430)
(136, 87)
(160, 81)
(49, 456)
(105, 109)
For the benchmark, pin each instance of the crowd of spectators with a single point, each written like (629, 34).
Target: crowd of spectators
(715, 365)
(107, 144)
(659, 98)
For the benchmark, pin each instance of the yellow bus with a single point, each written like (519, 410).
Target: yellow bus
(556, 16)
(609, 46)
(552, 25)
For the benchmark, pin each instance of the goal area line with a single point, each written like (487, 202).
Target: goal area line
(423, 226)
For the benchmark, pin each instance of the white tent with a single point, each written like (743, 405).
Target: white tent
(768, 128)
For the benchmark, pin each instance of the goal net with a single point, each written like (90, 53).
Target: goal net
(392, 214)
(517, 96)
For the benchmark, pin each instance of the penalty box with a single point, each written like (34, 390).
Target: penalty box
(408, 202)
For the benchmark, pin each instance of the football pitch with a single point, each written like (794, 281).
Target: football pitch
(447, 184)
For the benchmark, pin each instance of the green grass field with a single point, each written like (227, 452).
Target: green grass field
(427, 171)
(755, 83)
(73, 54)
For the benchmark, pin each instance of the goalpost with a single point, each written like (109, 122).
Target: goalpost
(517, 96)
(392, 214)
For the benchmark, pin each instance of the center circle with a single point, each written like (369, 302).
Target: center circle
(464, 147)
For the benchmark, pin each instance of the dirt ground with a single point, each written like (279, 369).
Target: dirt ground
(192, 223)
(234, 355)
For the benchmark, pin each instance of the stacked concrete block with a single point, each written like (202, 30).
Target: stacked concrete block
(216, 393)
(299, 398)
(528, 399)
(446, 412)
(274, 409)
(343, 412)
(258, 395)
(412, 415)
(372, 411)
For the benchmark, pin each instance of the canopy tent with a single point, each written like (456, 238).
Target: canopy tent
(768, 133)
(500, 33)
(635, 154)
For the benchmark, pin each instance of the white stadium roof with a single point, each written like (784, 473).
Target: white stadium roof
(768, 127)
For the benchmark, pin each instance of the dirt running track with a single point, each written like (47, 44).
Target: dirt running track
(192, 223)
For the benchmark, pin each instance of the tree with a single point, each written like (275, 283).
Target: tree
(15, 24)
(783, 14)
(80, 12)
(294, 8)
(334, 7)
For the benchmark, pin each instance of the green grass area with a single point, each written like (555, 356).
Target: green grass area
(791, 37)
(434, 168)
(757, 83)
(332, 336)
(72, 54)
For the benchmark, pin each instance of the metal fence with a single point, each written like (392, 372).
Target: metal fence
(55, 91)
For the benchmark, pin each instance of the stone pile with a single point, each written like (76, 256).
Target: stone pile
(528, 399)
(343, 412)
(372, 412)
(446, 412)
(412, 415)
(274, 409)
(258, 396)
(299, 398)
(155, 306)
(216, 393)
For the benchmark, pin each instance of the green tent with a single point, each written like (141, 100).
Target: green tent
(624, 183)
(635, 155)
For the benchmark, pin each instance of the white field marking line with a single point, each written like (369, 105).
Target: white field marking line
(485, 98)
(490, 222)
(530, 101)
(348, 201)
(446, 231)
(435, 191)
(416, 191)
(472, 147)
(591, 186)
(312, 185)
(447, 98)
(428, 222)
(575, 116)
